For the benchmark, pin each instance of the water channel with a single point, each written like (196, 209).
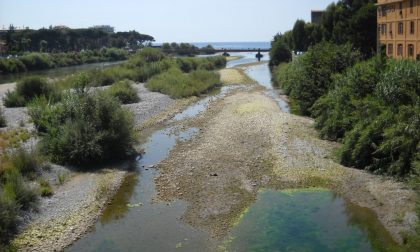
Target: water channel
(291, 220)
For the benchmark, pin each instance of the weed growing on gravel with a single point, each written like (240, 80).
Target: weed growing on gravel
(45, 189)
(124, 92)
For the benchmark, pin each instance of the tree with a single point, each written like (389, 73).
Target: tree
(279, 53)
(299, 36)
(43, 46)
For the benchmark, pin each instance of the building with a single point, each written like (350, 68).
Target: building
(399, 28)
(316, 16)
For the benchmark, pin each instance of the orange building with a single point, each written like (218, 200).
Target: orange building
(399, 28)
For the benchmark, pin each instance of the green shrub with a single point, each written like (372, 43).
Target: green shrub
(83, 128)
(311, 76)
(16, 189)
(8, 219)
(279, 53)
(13, 99)
(45, 189)
(36, 61)
(29, 88)
(177, 84)
(11, 66)
(124, 92)
(374, 108)
(26, 162)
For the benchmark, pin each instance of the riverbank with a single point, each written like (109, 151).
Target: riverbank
(77, 204)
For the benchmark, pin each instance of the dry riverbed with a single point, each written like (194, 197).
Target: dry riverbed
(245, 144)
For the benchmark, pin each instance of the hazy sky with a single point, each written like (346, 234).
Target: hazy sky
(167, 20)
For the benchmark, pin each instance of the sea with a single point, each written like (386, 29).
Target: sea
(231, 45)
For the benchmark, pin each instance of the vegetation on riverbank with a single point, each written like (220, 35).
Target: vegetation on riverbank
(186, 49)
(124, 92)
(40, 61)
(371, 107)
(28, 89)
(17, 169)
(177, 84)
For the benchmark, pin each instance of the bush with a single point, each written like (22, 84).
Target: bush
(374, 108)
(124, 92)
(83, 128)
(11, 66)
(15, 189)
(36, 61)
(26, 162)
(45, 189)
(177, 84)
(29, 88)
(311, 76)
(279, 53)
(8, 219)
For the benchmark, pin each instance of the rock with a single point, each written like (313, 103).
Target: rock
(213, 175)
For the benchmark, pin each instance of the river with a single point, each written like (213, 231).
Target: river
(292, 220)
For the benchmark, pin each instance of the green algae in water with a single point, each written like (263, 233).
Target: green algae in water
(307, 220)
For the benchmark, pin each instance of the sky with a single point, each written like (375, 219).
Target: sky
(167, 20)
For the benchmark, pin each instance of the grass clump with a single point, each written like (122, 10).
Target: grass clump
(177, 84)
(28, 89)
(124, 92)
(45, 189)
(83, 128)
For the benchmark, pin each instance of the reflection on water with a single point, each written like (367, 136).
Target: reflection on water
(133, 221)
(308, 220)
(57, 72)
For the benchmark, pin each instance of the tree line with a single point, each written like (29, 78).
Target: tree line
(62, 39)
(347, 21)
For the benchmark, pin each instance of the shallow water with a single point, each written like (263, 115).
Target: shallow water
(307, 220)
(246, 58)
(133, 221)
(57, 72)
(200, 106)
(261, 73)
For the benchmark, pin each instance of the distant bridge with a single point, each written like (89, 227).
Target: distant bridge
(242, 50)
(233, 49)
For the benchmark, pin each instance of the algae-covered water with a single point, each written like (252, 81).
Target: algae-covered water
(307, 220)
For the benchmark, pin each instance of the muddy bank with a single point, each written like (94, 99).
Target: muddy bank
(245, 144)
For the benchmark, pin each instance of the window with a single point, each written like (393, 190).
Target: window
(383, 29)
(390, 29)
(400, 28)
(390, 49)
(400, 8)
(410, 50)
(400, 50)
(412, 27)
(411, 6)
